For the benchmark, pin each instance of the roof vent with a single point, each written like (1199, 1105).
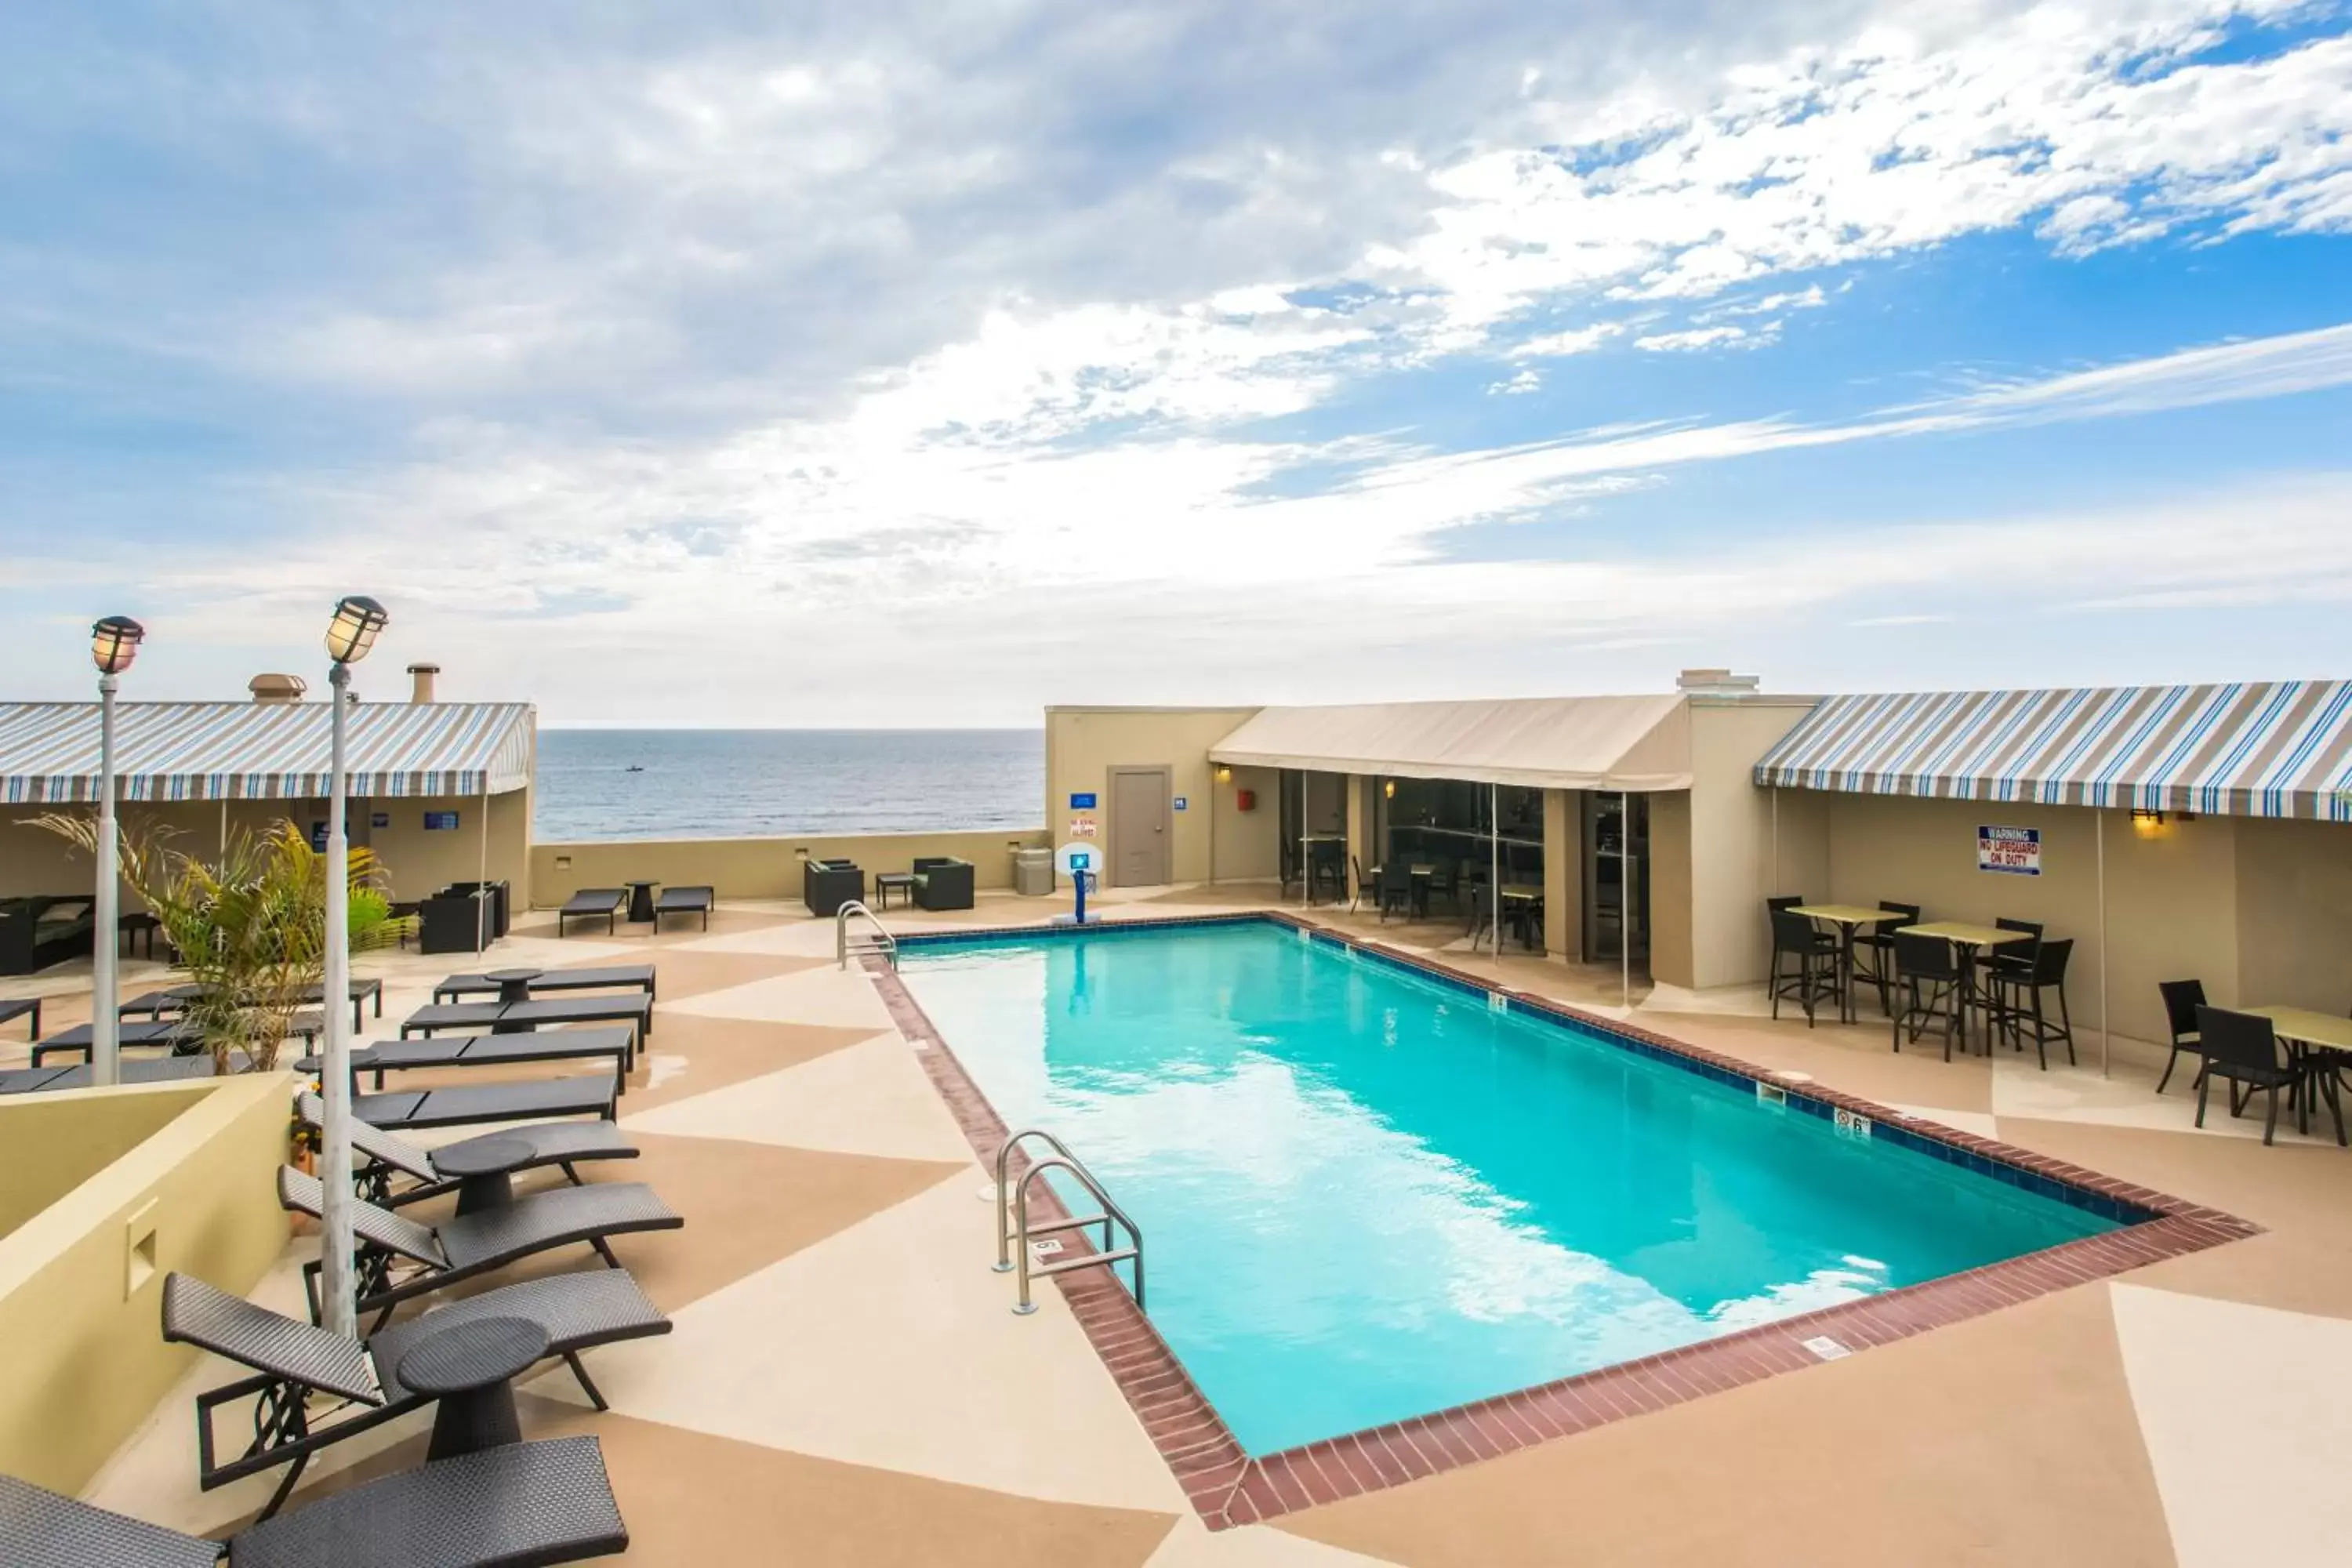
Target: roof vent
(1715, 683)
(277, 688)
(422, 675)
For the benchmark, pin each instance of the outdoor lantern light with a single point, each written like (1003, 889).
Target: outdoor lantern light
(358, 618)
(1389, 789)
(2147, 824)
(114, 643)
(1224, 775)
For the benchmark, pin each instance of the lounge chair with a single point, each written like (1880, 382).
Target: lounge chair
(470, 1104)
(943, 882)
(559, 1143)
(604, 978)
(519, 1017)
(594, 1041)
(684, 901)
(592, 903)
(174, 1035)
(296, 1360)
(518, 1506)
(17, 1008)
(151, 1069)
(461, 1248)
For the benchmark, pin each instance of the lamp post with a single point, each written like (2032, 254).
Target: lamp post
(357, 621)
(113, 644)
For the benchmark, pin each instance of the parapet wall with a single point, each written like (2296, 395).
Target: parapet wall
(764, 868)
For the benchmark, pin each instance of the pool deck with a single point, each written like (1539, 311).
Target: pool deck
(847, 1384)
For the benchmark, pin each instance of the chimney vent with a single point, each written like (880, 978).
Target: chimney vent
(277, 688)
(1715, 683)
(422, 674)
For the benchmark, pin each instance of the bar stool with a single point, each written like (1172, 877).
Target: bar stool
(2016, 1000)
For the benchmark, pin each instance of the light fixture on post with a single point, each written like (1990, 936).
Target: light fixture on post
(113, 644)
(357, 621)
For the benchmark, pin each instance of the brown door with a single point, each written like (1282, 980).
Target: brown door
(1139, 826)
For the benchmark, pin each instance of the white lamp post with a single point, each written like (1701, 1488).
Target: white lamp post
(113, 644)
(357, 621)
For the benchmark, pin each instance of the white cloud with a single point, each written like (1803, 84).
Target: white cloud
(1701, 337)
(1524, 382)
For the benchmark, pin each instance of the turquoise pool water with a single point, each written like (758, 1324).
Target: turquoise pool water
(1366, 1197)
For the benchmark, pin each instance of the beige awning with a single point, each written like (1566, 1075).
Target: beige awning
(1640, 744)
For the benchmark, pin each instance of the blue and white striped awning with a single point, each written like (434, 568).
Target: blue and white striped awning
(2281, 748)
(256, 750)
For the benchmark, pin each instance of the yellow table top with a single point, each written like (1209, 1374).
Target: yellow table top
(2312, 1029)
(1422, 869)
(1969, 935)
(1846, 914)
(1521, 891)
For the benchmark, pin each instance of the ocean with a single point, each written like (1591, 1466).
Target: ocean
(737, 784)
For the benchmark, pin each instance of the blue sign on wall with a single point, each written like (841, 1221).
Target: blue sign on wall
(379, 820)
(440, 821)
(319, 837)
(1082, 801)
(1180, 802)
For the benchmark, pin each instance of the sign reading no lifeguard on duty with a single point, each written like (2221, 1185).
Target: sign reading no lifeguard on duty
(2014, 850)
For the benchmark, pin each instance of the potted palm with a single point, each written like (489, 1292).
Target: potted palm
(249, 927)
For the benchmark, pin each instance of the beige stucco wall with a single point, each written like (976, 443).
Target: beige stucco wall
(87, 1364)
(1563, 875)
(2294, 914)
(1730, 837)
(418, 863)
(1082, 744)
(764, 867)
(1244, 841)
(1671, 925)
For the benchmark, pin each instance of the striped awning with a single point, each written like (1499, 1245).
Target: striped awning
(254, 751)
(2262, 749)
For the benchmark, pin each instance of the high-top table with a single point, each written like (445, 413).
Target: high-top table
(2309, 1035)
(1849, 919)
(1970, 938)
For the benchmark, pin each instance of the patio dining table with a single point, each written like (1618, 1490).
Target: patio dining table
(1968, 937)
(1849, 919)
(2309, 1035)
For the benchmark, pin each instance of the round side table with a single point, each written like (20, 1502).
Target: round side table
(470, 1368)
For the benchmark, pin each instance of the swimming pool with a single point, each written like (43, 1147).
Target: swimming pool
(1367, 1195)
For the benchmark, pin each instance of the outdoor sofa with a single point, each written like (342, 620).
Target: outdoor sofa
(294, 1361)
(460, 1247)
(559, 1143)
(826, 885)
(684, 901)
(518, 1506)
(943, 882)
(45, 929)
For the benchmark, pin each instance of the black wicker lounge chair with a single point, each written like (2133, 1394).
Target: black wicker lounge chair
(174, 1035)
(510, 1018)
(296, 1360)
(441, 1255)
(603, 977)
(684, 901)
(523, 1505)
(17, 1008)
(152, 1069)
(559, 1143)
(466, 1104)
(594, 903)
(618, 1042)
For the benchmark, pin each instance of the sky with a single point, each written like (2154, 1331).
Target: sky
(816, 364)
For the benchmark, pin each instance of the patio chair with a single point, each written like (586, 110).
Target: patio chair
(518, 1506)
(2016, 1001)
(1873, 950)
(2182, 998)
(684, 901)
(1396, 887)
(293, 1361)
(439, 1256)
(592, 903)
(1445, 882)
(564, 1144)
(1368, 886)
(2014, 957)
(1327, 868)
(943, 882)
(826, 885)
(1928, 987)
(1801, 966)
(2243, 1048)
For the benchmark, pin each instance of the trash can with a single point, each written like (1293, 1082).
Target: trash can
(1033, 872)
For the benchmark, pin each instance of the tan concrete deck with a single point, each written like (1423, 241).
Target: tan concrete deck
(846, 1384)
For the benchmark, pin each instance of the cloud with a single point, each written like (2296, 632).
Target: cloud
(1524, 382)
(1703, 338)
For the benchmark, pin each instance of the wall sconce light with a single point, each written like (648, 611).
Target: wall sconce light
(1224, 775)
(2147, 824)
(1388, 788)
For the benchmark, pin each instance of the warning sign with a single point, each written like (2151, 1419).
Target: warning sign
(1082, 827)
(2016, 851)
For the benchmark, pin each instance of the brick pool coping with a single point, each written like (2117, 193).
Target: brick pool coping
(1229, 1488)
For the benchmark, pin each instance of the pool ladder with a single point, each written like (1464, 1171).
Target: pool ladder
(1014, 1230)
(878, 939)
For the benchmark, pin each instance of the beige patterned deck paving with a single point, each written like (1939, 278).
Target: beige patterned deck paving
(820, 994)
(866, 1099)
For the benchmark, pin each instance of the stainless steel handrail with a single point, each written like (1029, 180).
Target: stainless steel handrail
(887, 944)
(1015, 1240)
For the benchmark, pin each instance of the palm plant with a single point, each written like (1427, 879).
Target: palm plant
(250, 927)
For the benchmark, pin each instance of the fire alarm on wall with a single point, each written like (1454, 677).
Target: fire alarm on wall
(1245, 800)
